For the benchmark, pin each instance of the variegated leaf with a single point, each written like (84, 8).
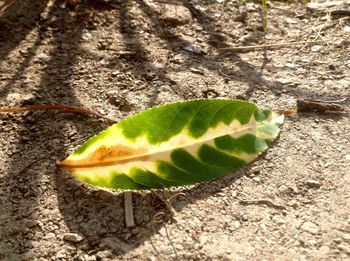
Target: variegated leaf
(175, 144)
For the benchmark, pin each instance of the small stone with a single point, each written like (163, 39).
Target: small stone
(89, 258)
(43, 57)
(347, 157)
(313, 183)
(337, 240)
(18, 97)
(196, 70)
(103, 254)
(86, 36)
(294, 188)
(310, 227)
(344, 248)
(346, 29)
(346, 238)
(61, 255)
(72, 237)
(194, 48)
(316, 48)
(175, 15)
(236, 224)
(284, 190)
(278, 220)
(323, 250)
(256, 179)
(49, 236)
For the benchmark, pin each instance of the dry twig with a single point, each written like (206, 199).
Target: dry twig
(262, 202)
(129, 213)
(306, 105)
(264, 46)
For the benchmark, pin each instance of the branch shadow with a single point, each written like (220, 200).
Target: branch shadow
(11, 36)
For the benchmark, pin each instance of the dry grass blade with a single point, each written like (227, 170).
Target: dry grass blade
(264, 46)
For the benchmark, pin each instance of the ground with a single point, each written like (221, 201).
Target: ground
(120, 57)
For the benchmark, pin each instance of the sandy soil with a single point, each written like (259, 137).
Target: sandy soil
(121, 57)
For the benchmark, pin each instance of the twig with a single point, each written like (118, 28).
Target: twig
(129, 213)
(171, 242)
(59, 107)
(305, 105)
(263, 202)
(263, 46)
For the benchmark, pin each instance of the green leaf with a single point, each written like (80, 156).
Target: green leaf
(175, 144)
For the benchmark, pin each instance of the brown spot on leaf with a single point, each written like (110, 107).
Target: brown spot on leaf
(108, 156)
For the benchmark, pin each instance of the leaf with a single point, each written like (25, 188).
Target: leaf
(175, 144)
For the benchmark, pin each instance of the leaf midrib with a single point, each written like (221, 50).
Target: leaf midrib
(134, 158)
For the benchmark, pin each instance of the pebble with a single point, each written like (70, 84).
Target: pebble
(103, 254)
(284, 190)
(236, 224)
(18, 97)
(86, 36)
(72, 237)
(175, 15)
(313, 183)
(89, 258)
(316, 48)
(256, 179)
(347, 157)
(278, 220)
(50, 236)
(194, 48)
(346, 238)
(61, 255)
(310, 227)
(344, 248)
(323, 250)
(43, 57)
(346, 29)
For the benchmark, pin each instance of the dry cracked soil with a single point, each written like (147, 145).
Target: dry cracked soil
(120, 57)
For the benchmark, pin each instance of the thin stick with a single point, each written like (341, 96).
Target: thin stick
(58, 107)
(263, 46)
(263, 202)
(129, 213)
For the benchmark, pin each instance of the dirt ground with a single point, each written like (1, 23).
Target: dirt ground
(120, 57)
